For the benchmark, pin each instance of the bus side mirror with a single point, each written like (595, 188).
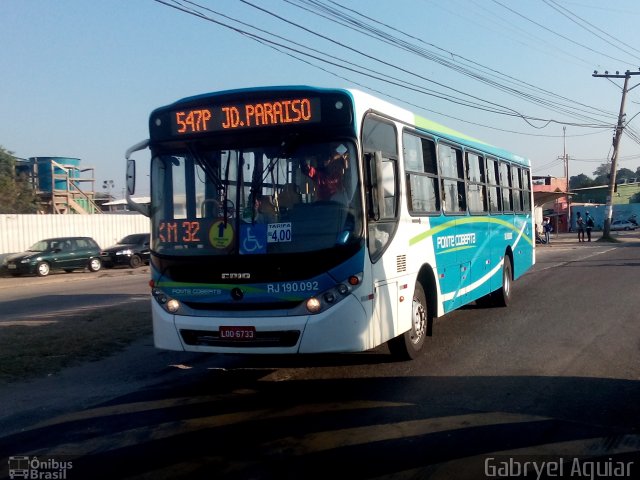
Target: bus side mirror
(131, 179)
(131, 176)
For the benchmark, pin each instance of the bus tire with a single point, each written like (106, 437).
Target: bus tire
(502, 297)
(410, 344)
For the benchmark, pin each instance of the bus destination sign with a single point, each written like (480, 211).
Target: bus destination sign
(236, 116)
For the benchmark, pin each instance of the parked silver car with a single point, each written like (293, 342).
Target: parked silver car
(623, 225)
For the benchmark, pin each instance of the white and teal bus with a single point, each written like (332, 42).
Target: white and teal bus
(307, 220)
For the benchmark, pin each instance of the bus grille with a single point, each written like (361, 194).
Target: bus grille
(242, 306)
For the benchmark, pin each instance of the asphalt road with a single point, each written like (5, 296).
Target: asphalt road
(27, 297)
(554, 376)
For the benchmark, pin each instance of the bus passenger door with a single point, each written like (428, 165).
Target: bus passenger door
(383, 250)
(387, 248)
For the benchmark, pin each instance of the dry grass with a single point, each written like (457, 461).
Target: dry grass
(47, 345)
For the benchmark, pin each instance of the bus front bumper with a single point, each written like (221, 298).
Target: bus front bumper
(342, 328)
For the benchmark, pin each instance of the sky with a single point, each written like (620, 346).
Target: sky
(80, 78)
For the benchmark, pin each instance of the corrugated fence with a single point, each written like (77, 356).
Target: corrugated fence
(19, 232)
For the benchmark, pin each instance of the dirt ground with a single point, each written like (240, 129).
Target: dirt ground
(47, 347)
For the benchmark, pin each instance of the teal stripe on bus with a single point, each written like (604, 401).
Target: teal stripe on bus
(463, 220)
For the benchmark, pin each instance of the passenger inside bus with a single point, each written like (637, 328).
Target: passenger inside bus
(328, 174)
(264, 211)
(289, 196)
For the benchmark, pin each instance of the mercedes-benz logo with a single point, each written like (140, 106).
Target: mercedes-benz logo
(237, 294)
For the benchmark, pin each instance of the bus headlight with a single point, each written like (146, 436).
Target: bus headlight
(313, 305)
(324, 300)
(171, 305)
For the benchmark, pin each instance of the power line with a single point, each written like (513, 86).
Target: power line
(373, 32)
(386, 78)
(570, 14)
(556, 33)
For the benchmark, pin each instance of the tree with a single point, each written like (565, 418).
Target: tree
(603, 169)
(602, 174)
(624, 173)
(16, 193)
(581, 181)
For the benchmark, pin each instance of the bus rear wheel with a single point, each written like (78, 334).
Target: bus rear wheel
(410, 344)
(502, 297)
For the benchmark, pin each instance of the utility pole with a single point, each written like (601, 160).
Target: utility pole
(566, 174)
(616, 146)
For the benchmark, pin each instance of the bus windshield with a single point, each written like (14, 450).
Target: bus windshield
(294, 198)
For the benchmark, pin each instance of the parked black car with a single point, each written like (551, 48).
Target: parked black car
(65, 253)
(132, 250)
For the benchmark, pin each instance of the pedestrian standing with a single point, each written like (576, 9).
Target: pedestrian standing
(580, 226)
(546, 227)
(589, 224)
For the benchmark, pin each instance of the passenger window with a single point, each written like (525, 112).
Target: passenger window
(505, 182)
(476, 178)
(517, 189)
(454, 198)
(526, 191)
(493, 186)
(423, 195)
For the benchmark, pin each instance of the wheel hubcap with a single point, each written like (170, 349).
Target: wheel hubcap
(419, 321)
(507, 285)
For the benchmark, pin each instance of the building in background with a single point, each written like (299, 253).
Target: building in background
(551, 199)
(121, 205)
(61, 184)
(626, 201)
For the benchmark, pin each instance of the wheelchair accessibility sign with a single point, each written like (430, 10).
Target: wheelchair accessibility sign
(253, 239)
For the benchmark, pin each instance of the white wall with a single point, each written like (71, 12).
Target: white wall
(19, 232)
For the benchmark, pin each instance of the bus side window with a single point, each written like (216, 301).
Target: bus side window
(526, 191)
(505, 182)
(452, 172)
(516, 184)
(493, 186)
(476, 179)
(421, 170)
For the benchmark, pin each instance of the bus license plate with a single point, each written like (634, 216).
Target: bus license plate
(237, 333)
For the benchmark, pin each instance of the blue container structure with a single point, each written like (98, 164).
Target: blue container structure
(47, 168)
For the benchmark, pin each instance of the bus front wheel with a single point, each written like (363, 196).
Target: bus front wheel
(410, 344)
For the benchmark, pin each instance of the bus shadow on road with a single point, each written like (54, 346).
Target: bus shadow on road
(237, 424)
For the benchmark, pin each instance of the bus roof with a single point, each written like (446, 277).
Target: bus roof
(370, 102)
(365, 102)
